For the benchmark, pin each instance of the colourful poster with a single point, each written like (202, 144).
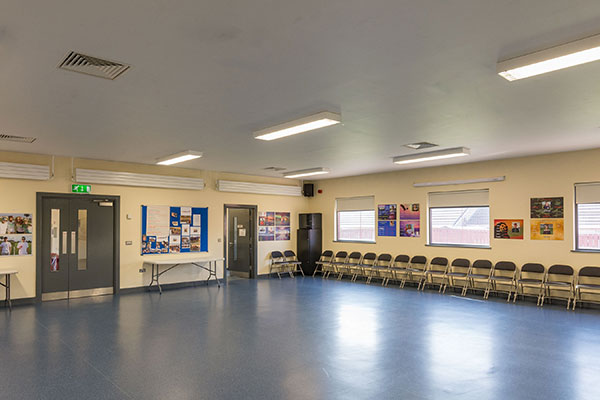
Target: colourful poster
(266, 233)
(547, 207)
(508, 229)
(410, 220)
(386, 228)
(174, 229)
(266, 218)
(282, 219)
(386, 212)
(547, 229)
(16, 235)
(282, 233)
(410, 228)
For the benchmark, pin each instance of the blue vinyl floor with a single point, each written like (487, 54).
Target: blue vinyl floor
(298, 339)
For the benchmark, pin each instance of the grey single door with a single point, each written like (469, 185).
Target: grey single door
(240, 241)
(78, 247)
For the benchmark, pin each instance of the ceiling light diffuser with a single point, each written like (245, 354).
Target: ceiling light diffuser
(179, 157)
(301, 125)
(555, 58)
(306, 172)
(432, 155)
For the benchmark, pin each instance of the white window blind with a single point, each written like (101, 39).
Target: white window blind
(355, 219)
(355, 203)
(587, 199)
(586, 193)
(462, 198)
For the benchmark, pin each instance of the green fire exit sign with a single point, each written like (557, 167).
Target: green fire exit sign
(81, 188)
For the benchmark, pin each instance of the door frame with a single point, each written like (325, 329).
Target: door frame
(40, 196)
(253, 232)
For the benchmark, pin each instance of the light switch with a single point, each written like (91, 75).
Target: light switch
(128, 243)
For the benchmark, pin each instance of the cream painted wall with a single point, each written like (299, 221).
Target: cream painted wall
(549, 175)
(19, 196)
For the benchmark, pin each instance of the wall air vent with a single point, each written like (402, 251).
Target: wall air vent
(420, 145)
(18, 139)
(94, 66)
(141, 180)
(258, 188)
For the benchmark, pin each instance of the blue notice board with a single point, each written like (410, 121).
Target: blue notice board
(174, 229)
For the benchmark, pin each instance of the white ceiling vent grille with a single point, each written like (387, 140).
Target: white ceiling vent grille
(24, 171)
(420, 145)
(258, 188)
(18, 139)
(94, 66)
(140, 180)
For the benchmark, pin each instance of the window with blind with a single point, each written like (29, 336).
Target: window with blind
(355, 219)
(460, 218)
(587, 215)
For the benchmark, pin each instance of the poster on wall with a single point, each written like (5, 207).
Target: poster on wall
(547, 229)
(282, 219)
(410, 220)
(508, 229)
(282, 233)
(266, 233)
(547, 207)
(16, 234)
(386, 219)
(386, 212)
(266, 218)
(168, 229)
(386, 228)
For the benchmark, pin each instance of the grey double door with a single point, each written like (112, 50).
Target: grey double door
(77, 247)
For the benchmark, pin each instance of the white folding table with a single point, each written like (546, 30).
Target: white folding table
(7, 273)
(206, 263)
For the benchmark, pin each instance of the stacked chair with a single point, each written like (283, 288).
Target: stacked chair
(457, 273)
(532, 279)
(325, 258)
(559, 283)
(502, 279)
(436, 273)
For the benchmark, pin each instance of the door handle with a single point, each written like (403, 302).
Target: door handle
(73, 242)
(64, 242)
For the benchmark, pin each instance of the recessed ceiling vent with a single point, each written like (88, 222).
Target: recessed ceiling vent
(420, 145)
(18, 139)
(274, 169)
(94, 66)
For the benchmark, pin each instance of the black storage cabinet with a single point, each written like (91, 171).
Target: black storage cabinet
(310, 241)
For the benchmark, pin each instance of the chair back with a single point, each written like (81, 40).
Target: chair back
(326, 256)
(290, 255)
(277, 256)
(369, 259)
(438, 264)
(340, 256)
(354, 258)
(401, 261)
(560, 273)
(533, 271)
(482, 267)
(419, 262)
(460, 265)
(384, 260)
(506, 269)
(589, 275)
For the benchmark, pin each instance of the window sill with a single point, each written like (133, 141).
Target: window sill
(353, 241)
(584, 251)
(461, 246)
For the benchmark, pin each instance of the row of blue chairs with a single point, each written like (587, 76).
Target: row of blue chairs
(532, 279)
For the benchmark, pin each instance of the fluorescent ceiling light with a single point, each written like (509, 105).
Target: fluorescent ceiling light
(432, 155)
(552, 59)
(301, 125)
(460, 182)
(179, 157)
(306, 172)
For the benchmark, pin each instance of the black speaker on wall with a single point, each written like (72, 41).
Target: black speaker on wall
(308, 190)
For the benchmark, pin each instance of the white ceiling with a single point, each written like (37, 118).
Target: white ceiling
(206, 74)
